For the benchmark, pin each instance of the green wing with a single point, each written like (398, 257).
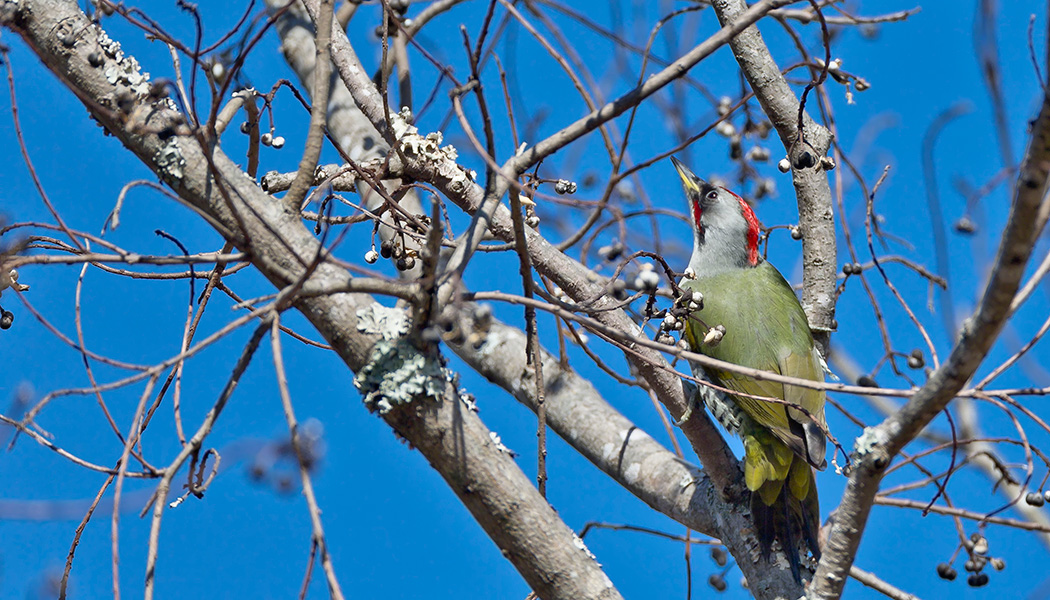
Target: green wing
(765, 329)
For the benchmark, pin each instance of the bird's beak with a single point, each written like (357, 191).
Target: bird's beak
(689, 181)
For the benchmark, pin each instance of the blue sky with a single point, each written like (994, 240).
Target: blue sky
(394, 529)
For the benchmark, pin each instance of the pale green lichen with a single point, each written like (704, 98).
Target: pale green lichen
(397, 373)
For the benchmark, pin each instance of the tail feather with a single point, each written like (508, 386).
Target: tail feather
(811, 526)
(792, 521)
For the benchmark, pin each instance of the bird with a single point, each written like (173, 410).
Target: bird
(747, 314)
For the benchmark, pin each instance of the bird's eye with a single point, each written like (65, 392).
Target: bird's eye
(712, 195)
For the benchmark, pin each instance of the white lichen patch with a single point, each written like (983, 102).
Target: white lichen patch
(401, 122)
(872, 437)
(634, 434)
(499, 444)
(428, 148)
(124, 69)
(391, 323)
(579, 544)
(170, 161)
(397, 373)
(108, 45)
(468, 400)
(780, 559)
(827, 370)
(127, 72)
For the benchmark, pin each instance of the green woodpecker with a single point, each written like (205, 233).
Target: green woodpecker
(750, 316)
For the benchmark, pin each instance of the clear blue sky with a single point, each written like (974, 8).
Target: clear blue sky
(394, 529)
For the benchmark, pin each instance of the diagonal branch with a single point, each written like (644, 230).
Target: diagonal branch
(318, 111)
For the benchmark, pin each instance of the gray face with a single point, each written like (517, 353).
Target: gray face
(725, 237)
(717, 207)
(724, 227)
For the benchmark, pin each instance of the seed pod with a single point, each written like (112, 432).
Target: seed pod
(977, 579)
(647, 280)
(867, 381)
(564, 186)
(945, 571)
(965, 225)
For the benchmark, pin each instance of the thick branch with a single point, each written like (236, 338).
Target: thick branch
(816, 217)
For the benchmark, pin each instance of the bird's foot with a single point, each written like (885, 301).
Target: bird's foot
(692, 392)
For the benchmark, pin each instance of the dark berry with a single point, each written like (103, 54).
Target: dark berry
(946, 572)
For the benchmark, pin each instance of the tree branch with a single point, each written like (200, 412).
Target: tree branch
(816, 216)
(318, 110)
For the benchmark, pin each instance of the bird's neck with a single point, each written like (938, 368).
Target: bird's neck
(717, 251)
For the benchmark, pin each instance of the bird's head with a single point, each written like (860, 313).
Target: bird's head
(725, 229)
